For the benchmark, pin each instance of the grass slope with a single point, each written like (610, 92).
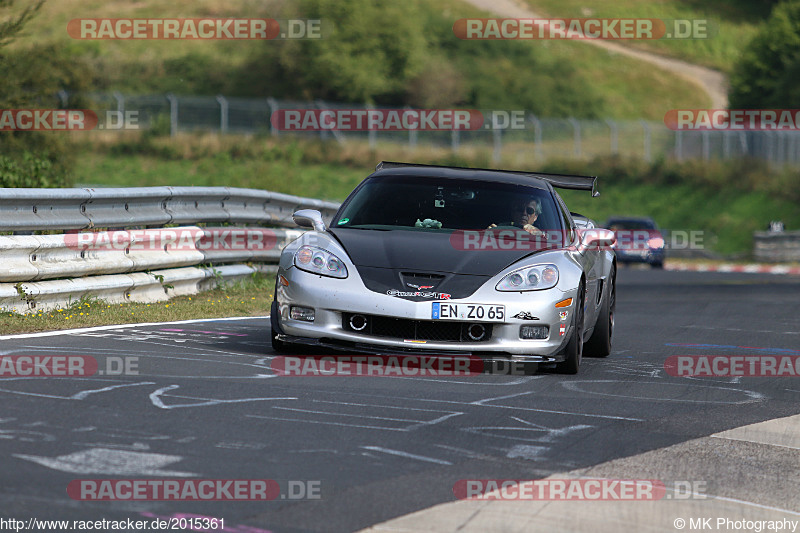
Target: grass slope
(733, 24)
(626, 88)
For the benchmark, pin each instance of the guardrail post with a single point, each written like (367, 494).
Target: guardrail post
(679, 145)
(613, 135)
(273, 108)
(223, 113)
(576, 128)
(173, 114)
(455, 140)
(706, 146)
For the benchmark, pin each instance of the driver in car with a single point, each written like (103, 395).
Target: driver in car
(524, 215)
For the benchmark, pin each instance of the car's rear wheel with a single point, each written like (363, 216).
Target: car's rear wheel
(573, 351)
(599, 344)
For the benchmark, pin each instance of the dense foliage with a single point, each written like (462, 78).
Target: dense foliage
(766, 77)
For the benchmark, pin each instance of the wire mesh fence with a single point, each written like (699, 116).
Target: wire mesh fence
(563, 138)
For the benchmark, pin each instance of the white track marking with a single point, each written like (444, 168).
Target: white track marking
(407, 455)
(119, 326)
(155, 397)
(110, 462)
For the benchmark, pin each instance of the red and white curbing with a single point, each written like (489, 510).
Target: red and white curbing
(728, 267)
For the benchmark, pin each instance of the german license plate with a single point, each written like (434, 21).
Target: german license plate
(468, 312)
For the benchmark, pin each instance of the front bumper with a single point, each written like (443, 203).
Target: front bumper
(651, 256)
(330, 298)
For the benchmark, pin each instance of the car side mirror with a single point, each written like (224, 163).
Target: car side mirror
(597, 237)
(309, 218)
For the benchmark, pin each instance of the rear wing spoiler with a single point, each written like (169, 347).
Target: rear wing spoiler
(562, 181)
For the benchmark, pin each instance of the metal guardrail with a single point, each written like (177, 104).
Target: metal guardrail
(45, 272)
(68, 209)
(776, 246)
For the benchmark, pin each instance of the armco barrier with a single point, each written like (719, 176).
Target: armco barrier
(70, 209)
(44, 272)
(776, 247)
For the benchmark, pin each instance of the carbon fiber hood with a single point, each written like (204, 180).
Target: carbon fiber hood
(420, 265)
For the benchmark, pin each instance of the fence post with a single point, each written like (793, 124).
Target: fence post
(120, 102)
(372, 134)
(497, 151)
(323, 133)
(726, 145)
(576, 127)
(273, 108)
(173, 114)
(537, 137)
(614, 135)
(412, 133)
(223, 114)
(646, 140)
(770, 148)
(780, 159)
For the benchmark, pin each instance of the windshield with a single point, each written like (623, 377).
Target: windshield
(445, 204)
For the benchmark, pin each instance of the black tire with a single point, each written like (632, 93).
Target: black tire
(275, 329)
(659, 265)
(573, 351)
(599, 344)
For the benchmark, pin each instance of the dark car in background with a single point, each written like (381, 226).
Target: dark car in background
(638, 240)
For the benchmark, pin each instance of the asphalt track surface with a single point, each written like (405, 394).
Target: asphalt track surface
(206, 405)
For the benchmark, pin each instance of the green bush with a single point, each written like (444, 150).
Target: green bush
(767, 74)
(31, 170)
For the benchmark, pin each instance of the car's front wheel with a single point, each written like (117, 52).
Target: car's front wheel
(573, 351)
(599, 344)
(275, 329)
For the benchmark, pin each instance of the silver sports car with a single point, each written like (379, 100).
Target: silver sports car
(444, 260)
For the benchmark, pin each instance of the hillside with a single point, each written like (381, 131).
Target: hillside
(549, 78)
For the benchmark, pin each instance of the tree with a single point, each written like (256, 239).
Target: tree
(32, 78)
(767, 74)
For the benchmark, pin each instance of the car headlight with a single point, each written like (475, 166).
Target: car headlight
(319, 261)
(533, 278)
